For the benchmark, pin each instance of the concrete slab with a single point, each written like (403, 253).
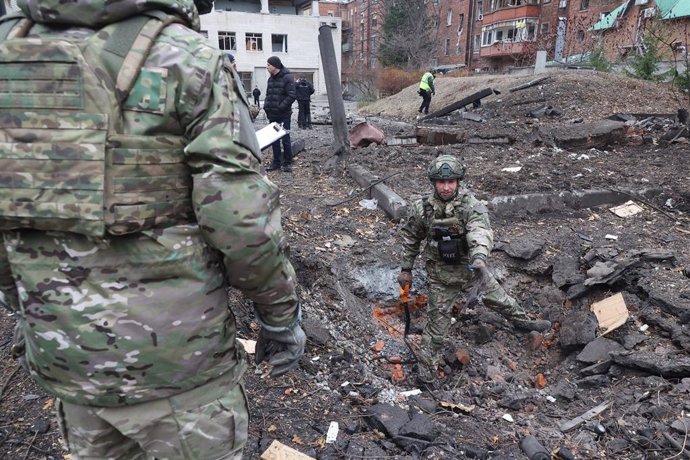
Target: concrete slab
(387, 199)
(541, 203)
(598, 134)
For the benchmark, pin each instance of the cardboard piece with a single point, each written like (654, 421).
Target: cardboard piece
(627, 209)
(611, 313)
(279, 451)
(269, 134)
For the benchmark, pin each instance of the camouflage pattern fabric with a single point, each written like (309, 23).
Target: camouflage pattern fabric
(125, 320)
(209, 422)
(449, 283)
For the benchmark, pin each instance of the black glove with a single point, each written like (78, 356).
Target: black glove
(405, 278)
(282, 350)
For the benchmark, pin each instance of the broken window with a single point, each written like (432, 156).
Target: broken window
(447, 47)
(279, 43)
(227, 40)
(246, 78)
(254, 42)
(461, 22)
(580, 36)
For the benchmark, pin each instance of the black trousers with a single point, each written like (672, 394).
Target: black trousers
(304, 114)
(426, 100)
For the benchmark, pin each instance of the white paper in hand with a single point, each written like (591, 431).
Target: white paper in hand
(269, 134)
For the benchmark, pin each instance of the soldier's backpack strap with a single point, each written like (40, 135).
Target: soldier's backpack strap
(14, 25)
(129, 45)
(427, 210)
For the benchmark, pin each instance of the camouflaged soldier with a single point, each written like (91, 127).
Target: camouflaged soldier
(131, 198)
(456, 229)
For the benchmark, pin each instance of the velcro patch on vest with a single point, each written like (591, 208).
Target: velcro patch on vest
(148, 93)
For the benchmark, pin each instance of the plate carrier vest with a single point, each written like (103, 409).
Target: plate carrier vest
(66, 163)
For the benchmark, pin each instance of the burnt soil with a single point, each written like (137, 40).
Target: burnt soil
(515, 384)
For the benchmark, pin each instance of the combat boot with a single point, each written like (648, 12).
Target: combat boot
(529, 325)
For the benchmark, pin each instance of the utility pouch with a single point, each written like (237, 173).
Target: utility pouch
(450, 251)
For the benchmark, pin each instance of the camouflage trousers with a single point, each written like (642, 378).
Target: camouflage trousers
(444, 296)
(207, 422)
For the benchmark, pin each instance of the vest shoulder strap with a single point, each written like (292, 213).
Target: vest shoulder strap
(129, 45)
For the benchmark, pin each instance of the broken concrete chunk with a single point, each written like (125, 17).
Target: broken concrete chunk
(668, 366)
(566, 272)
(421, 427)
(582, 328)
(387, 419)
(682, 426)
(524, 248)
(316, 331)
(597, 134)
(631, 340)
(593, 381)
(598, 350)
(598, 368)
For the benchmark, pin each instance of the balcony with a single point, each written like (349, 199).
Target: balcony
(511, 13)
(500, 49)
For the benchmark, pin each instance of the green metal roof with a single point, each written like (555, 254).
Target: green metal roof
(668, 9)
(610, 19)
(672, 9)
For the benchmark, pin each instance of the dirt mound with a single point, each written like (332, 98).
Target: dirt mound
(578, 93)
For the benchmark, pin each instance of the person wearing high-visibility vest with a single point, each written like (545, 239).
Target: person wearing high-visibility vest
(426, 89)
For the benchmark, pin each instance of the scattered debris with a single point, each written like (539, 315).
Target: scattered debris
(332, 433)
(627, 209)
(590, 414)
(279, 451)
(529, 84)
(533, 449)
(365, 134)
(471, 99)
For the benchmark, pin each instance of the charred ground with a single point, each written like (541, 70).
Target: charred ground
(346, 258)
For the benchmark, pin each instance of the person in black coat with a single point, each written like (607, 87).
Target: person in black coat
(256, 93)
(304, 91)
(280, 94)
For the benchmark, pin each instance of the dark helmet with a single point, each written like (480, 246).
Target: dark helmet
(445, 167)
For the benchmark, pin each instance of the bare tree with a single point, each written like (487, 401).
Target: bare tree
(408, 35)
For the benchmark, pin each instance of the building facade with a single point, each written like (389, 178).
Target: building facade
(255, 30)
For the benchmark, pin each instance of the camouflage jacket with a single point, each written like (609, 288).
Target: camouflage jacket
(465, 213)
(132, 318)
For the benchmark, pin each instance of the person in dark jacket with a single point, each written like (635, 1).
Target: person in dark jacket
(304, 91)
(280, 94)
(256, 93)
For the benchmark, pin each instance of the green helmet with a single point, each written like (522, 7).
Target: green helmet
(445, 167)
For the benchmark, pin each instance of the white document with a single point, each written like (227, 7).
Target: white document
(269, 134)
